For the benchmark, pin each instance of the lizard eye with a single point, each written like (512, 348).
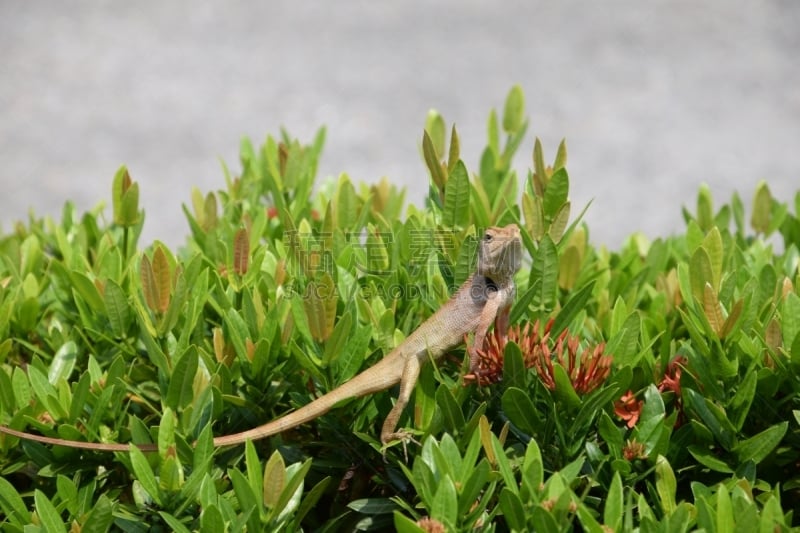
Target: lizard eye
(487, 237)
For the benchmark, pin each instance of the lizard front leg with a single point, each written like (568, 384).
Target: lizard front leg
(407, 382)
(488, 314)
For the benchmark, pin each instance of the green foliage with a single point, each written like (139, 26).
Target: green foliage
(654, 387)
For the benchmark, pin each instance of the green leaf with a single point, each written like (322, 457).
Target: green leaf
(700, 272)
(403, 524)
(144, 474)
(120, 185)
(705, 210)
(759, 446)
(512, 509)
(576, 303)
(311, 499)
(614, 504)
(435, 127)
(174, 523)
(48, 515)
(514, 371)
(713, 417)
(247, 498)
(762, 207)
(514, 110)
(46, 393)
(117, 308)
(63, 362)
(666, 485)
(455, 213)
(211, 519)
(564, 391)
(180, 392)
(532, 471)
(342, 332)
(87, 291)
(740, 403)
(100, 518)
(559, 223)
(713, 246)
(445, 503)
(545, 269)
(454, 155)
(520, 410)
(534, 215)
(555, 196)
(451, 412)
(14, 508)
(432, 161)
(725, 520)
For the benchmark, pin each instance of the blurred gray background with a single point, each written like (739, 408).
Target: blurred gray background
(654, 98)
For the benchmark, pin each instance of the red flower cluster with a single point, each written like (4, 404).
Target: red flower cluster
(628, 408)
(587, 370)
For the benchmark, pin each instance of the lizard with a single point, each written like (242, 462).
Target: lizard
(485, 297)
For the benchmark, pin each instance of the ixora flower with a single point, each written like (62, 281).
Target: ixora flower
(587, 370)
(671, 382)
(628, 408)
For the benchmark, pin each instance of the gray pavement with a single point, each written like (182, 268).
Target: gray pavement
(653, 97)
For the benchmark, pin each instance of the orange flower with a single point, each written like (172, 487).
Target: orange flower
(672, 382)
(672, 377)
(490, 362)
(628, 408)
(586, 371)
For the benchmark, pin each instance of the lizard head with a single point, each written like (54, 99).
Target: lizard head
(500, 252)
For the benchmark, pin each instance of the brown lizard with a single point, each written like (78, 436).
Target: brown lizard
(485, 297)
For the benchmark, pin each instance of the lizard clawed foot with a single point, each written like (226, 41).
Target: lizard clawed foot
(401, 435)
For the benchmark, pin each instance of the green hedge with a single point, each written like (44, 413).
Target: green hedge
(653, 387)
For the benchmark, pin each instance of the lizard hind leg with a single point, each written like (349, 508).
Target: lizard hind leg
(389, 431)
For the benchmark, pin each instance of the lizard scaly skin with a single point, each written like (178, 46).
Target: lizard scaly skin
(485, 297)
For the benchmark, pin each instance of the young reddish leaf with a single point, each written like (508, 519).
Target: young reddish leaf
(162, 279)
(319, 304)
(712, 309)
(149, 288)
(733, 318)
(274, 479)
(559, 223)
(241, 251)
(773, 335)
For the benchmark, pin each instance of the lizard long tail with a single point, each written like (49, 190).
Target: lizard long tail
(377, 378)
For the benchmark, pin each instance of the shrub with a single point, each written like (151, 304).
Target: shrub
(654, 387)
